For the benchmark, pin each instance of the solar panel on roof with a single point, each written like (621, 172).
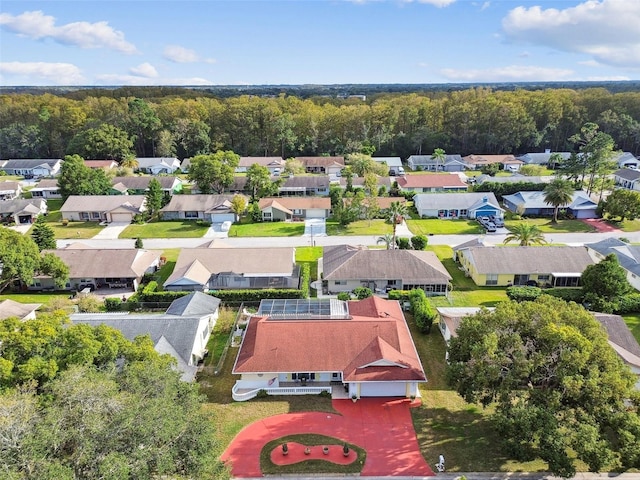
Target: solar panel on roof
(326, 308)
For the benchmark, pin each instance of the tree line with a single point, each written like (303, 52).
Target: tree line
(476, 120)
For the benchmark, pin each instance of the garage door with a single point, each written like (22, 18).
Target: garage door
(315, 213)
(383, 389)
(223, 217)
(121, 217)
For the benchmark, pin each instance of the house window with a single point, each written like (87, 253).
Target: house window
(84, 215)
(340, 282)
(266, 215)
(442, 213)
(95, 214)
(492, 279)
(463, 213)
(297, 211)
(37, 194)
(190, 214)
(544, 278)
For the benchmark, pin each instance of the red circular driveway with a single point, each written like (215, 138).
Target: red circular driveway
(381, 426)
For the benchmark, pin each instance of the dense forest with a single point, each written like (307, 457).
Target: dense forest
(118, 123)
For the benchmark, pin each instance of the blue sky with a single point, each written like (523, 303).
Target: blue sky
(216, 42)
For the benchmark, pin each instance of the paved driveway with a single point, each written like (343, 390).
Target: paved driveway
(381, 426)
(112, 231)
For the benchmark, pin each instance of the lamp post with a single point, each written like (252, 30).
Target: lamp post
(311, 228)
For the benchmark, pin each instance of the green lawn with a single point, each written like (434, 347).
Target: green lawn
(170, 255)
(360, 227)
(628, 225)
(435, 226)
(633, 322)
(309, 255)
(33, 297)
(266, 229)
(547, 226)
(75, 230)
(165, 229)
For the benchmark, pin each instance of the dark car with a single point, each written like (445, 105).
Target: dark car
(497, 221)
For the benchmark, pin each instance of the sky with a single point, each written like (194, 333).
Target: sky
(273, 42)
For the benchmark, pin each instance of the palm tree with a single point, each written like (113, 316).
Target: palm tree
(557, 193)
(439, 155)
(129, 162)
(397, 212)
(387, 239)
(526, 234)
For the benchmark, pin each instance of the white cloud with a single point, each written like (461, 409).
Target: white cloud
(38, 26)
(114, 79)
(607, 30)
(616, 78)
(144, 70)
(435, 3)
(423, 64)
(36, 72)
(511, 73)
(590, 63)
(178, 54)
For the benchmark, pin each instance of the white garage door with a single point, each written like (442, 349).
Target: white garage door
(121, 217)
(315, 213)
(223, 217)
(383, 389)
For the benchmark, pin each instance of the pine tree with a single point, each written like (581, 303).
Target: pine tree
(43, 235)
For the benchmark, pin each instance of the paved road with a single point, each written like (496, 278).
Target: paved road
(451, 240)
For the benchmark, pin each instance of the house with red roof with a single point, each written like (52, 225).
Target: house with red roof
(432, 183)
(307, 346)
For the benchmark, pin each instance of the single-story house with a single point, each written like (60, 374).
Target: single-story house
(504, 266)
(305, 185)
(452, 163)
(627, 178)
(628, 256)
(158, 165)
(364, 347)
(449, 319)
(121, 268)
(22, 311)
(344, 268)
(139, 185)
(457, 205)
(210, 269)
(508, 162)
(103, 164)
(391, 162)
(533, 203)
(515, 178)
(358, 182)
(274, 164)
(294, 208)
(622, 341)
(22, 211)
(33, 168)
(626, 160)
(10, 190)
(211, 208)
(46, 188)
(103, 208)
(542, 158)
(182, 331)
(325, 165)
(432, 183)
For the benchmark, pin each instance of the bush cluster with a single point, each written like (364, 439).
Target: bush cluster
(423, 313)
(523, 294)
(566, 294)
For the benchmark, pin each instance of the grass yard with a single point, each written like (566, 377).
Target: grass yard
(360, 227)
(309, 255)
(266, 229)
(546, 226)
(33, 297)
(633, 322)
(171, 256)
(165, 229)
(437, 226)
(75, 230)
(627, 225)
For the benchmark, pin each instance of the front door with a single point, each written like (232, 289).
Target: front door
(520, 279)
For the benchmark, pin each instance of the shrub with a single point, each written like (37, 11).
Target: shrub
(112, 304)
(629, 304)
(138, 243)
(399, 294)
(262, 393)
(362, 292)
(403, 243)
(423, 313)
(523, 294)
(344, 296)
(566, 294)
(305, 279)
(419, 242)
(89, 304)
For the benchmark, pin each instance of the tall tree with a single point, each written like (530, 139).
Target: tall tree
(143, 125)
(238, 205)
(387, 239)
(604, 283)
(214, 172)
(104, 142)
(396, 214)
(596, 148)
(622, 204)
(362, 165)
(439, 156)
(526, 234)
(556, 382)
(558, 192)
(154, 197)
(78, 179)
(43, 235)
(259, 182)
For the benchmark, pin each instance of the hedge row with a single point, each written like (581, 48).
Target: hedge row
(629, 303)
(566, 294)
(305, 279)
(523, 294)
(423, 313)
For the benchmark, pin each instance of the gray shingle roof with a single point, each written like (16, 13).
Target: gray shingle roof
(628, 255)
(628, 174)
(102, 203)
(195, 304)
(98, 263)
(142, 182)
(10, 308)
(465, 200)
(20, 204)
(536, 200)
(198, 203)
(529, 260)
(31, 163)
(619, 332)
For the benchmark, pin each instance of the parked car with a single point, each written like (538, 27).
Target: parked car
(490, 227)
(499, 222)
(483, 220)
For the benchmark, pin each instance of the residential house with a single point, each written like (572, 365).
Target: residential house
(324, 165)
(391, 162)
(449, 319)
(46, 188)
(451, 163)
(543, 266)
(457, 205)
(432, 183)
(622, 341)
(22, 311)
(627, 178)
(10, 190)
(626, 160)
(344, 268)
(103, 164)
(358, 182)
(542, 158)
(507, 162)
(628, 256)
(305, 185)
(210, 269)
(383, 203)
(294, 208)
(274, 164)
(515, 178)
(210, 208)
(139, 185)
(533, 203)
(22, 211)
(33, 168)
(182, 331)
(103, 208)
(363, 347)
(121, 268)
(158, 165)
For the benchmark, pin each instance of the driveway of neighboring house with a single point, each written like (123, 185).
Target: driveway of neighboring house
(381, 426)
(21, 228)
(315, 227)
(216, 230)
(112, 231)
(601, 225)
